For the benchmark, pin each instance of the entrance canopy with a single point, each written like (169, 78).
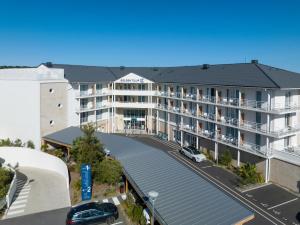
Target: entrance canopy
(184, 197)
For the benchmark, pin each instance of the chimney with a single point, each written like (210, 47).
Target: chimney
(205, 66)
(48, 64)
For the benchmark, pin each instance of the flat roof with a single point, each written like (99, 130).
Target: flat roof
(184, 197)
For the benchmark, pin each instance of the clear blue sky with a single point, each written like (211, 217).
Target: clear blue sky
(150, 33)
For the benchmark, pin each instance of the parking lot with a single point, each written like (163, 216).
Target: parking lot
(53, 217)
(270, 203)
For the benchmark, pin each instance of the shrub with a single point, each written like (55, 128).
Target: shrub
(134, 211)
(77, 185)
(6, 177)
(30, 144)
(108, 171)
(226, 158)
(249, 175)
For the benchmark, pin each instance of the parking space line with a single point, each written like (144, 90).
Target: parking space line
(116, 200)
(254, 188)
(22, 197)
(19, 201)
(275, 206)
(117, 223)
(105, 200)
(15, 212)
(204, 167)
(231, 192)
(17, 207)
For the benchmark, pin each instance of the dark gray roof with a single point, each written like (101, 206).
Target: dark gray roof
(77, 73)
(184, 197)
(240, 74)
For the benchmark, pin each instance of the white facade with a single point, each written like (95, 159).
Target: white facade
(263, 122)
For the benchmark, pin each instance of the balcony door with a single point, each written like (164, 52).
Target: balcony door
(258, 99)
(242, 138)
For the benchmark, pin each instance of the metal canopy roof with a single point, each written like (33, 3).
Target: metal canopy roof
(184, 197)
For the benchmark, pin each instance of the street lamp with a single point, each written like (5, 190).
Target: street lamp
(152, 196)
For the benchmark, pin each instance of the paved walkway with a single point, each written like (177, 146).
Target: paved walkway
(37, 191)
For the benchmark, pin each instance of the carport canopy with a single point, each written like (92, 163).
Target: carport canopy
(185, 198)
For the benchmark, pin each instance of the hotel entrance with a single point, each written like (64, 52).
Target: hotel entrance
(135, 119)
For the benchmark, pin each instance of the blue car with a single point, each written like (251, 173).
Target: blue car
(93, 213)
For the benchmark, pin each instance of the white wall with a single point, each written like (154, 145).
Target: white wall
(26, 157)
(20, 110)
(73, 104)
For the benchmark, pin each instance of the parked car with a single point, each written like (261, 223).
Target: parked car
(106, 152)
(192, 153)
(146, 214)
(92, 213)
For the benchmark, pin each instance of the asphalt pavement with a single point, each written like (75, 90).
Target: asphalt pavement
(270, 203)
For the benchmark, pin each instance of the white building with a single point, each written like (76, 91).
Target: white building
(249, 108)
(32, 103)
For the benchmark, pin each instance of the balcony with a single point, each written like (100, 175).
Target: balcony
(290, 154)
(251, 147)
(190, 96)
(100, 105)
(83, 120)
(140, 105)
(228, 140)
(253, 126)
(207, 116)
(136, 92)
(86, 94)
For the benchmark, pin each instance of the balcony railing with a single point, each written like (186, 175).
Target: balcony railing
(253, 147)
(84, 120)
(227, 139)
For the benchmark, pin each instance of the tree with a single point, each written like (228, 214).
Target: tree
(88, 148)
(30, 144)
(226, 158)
(108, 171)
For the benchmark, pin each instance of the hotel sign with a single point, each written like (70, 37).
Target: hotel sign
(132, 80)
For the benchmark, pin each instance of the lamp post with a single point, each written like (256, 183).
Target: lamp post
(152, 196)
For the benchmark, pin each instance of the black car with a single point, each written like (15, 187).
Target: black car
(93, 213)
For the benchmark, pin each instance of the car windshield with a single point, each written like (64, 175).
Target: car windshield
(194, 151)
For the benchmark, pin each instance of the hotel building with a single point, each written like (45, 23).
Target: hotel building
(250, 109)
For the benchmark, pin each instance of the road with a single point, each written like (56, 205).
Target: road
(53, 217)
(271, 204)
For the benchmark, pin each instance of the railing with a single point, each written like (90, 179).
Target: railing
(249, 125)
(253, 147)
(208, 116)
(84, 120)
(283, 106)
(12, 189)
(102, 105)
(290, 154)
(227, 139)
(228, 120)
(191, 96)
(102, 92)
